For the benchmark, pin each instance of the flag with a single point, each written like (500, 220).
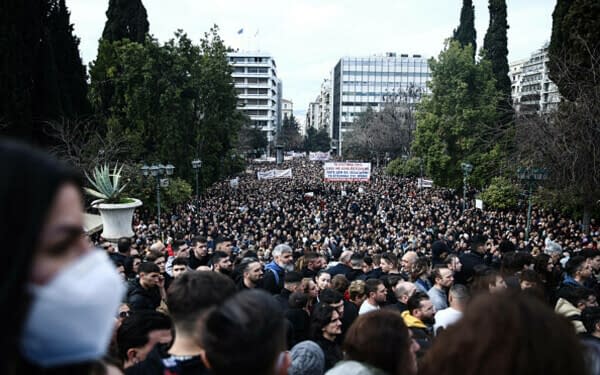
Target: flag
(240, 30)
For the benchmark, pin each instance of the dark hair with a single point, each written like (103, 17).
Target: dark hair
(198, 239)
(124, 244)
(180, 261)
(319, 319)
(247, 332)
(340, 283)
(371, 286)
(330, 296)
(590, 316)
(380, 339)
(482, 278)
(574, 295)
(500, 334)
(148, 267)
(574, 264)
(390, 258)
(292, 277)
(298, 300)
(192, 293)
(320, 273)
(30, 182)
(134, 330)
(414, 302)
(218, 256)
(531, 276)
(153, 255)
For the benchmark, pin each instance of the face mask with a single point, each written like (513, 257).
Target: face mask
(71, 318)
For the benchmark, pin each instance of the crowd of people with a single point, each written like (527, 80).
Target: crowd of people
(293, 276)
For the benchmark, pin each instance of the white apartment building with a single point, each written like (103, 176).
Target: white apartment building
(313, 114)
(360, 82)
(258, 89)
(532, 89)
(287, 108)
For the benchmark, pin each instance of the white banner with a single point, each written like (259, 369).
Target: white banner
(274, 173)
(319, 156)
(479, 204)
(234, 182)
(347, 171)
(424, 183)
(264, 160)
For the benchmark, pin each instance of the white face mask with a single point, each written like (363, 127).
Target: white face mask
(71, 319)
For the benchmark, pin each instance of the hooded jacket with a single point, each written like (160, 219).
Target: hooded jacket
(566, 309)
(420, 332)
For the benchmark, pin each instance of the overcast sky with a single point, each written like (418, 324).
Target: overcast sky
(307, 37)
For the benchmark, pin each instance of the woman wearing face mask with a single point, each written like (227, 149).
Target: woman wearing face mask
(59, 296)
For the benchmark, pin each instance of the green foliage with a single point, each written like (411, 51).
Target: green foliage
(456, 123)
(408, 168)
(126, 19)
(143, 188)
(289, 135)
(465, 34)
(575, 38)
(252, 141)
(41, 74)
(496, 50)
(106, 184)
(501, 194)
(317, 140)
(170, 103)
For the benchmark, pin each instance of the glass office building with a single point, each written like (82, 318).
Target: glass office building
(360, 82)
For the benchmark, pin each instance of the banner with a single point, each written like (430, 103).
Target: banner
(347, 171)
(234, 182)
(479, 204)
(319, 156)
(274, 173)
(423, 183)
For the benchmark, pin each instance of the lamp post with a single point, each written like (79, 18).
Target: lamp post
(531, 176)
(467, 169)
(156, 171)
(197, 164)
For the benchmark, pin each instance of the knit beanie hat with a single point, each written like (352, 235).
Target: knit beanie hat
(307, 359)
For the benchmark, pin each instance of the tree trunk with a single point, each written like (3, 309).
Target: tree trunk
(587, 214)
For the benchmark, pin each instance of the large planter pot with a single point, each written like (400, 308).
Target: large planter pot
(116, 218)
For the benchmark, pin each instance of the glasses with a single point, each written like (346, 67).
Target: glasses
(124, 314)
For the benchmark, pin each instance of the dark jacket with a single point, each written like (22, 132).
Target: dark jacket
(283, 298)
(341, 269)
(159, 363)
(421, 332)
(469, 261)
(309, 273)
(273, 278)
(333, 352)
(139, 298)
(300, 325)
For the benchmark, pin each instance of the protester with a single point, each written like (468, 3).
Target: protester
(378, 342)
(503, 334)
(325, 327)
(53, 283)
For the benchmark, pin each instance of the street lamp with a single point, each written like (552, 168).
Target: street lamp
(197, 164)
(532, 176)
(467, 169)
(156, 171)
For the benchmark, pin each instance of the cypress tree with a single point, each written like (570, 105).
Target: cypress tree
(70, 70)
(496, 50)
(21, 30)
(574, 45)
(126, 19)
(465, 34)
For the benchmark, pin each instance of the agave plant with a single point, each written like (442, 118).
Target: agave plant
(106, 184)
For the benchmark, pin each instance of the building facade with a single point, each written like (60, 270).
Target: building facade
(362, 82)
(258, 88)
(532, 89)
(287, 108)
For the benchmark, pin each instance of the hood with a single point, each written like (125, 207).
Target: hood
(565, 308)
(354, 368)
(411, 321)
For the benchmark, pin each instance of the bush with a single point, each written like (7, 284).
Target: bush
(501, 194)
(409, 168)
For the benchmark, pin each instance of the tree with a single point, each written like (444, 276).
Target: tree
(501, 194)
(252, 141)
(567, 141)
(375, 134)
(496, 50)
(289, 135)
(576, 37)
(457, 122)
(126, 19)
(465, 34)
(41, 76)
(70, 71)
(173, 102)
(317, 140)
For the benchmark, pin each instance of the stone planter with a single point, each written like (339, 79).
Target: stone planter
(116, 218)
